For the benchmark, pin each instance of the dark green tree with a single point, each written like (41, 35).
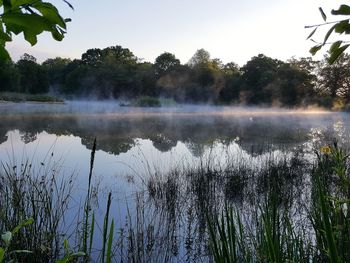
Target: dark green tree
(33, 77)
(56, 72)
(334, 80)
(9, 76)
(165, 63)
(257, 74)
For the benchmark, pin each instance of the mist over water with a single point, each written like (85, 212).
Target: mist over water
(157, 136)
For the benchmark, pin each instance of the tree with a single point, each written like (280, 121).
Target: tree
(231, 89)
(56, 72)
(257, 74)
(92, 57)
(9, 76)
(33, 78)
(334, 80)
(200, 58)
(165, 63)
(30, 18)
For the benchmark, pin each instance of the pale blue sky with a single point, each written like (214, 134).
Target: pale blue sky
(229, 29)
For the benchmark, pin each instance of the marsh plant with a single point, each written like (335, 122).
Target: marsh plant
(287, 209)
(276, 237)
(41, 194)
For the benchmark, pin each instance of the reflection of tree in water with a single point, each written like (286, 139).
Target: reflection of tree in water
(162, 143)
(196, 149)
(3, 136)
(28, 137)
(117, 134)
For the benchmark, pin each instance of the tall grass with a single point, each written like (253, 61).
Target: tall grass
(88, 227)
(235, 213)
(38, 193)
(276, 238)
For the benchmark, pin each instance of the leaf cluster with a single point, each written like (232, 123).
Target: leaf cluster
(339, 27)
(30, 17)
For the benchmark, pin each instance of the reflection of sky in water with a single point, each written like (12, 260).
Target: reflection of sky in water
(135, 143)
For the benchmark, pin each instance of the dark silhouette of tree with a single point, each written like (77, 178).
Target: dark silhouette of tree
(165, 63)
(33, 78)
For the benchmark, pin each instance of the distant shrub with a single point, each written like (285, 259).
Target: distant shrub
(146, 101)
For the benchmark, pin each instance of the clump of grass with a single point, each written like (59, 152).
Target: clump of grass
(276, 237)
(39, 194)
(331, 199)
(146, 101)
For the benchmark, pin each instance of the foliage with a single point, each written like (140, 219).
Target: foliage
(275, 238)
(165, 63)
(146, 101)
(69, 256)
(7, 237)
(116, 73)
(340, 27)
(30, 18)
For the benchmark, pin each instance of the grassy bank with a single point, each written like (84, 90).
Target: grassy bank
(22, 97)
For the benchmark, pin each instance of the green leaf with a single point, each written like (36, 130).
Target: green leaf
(4, 55)
(343, 10)
(2, 254)
(50, 12)
(33, 22)
(312, 33)
(5, 37)
(30, 37)
(323, 14)
(336, 53)
(109, 245)
(335, 46)
(342, 27)
(17, 3)
(57, 35)
(78, 254)
(7, 237)
(23, 224)
(330, 31)
(314, 49)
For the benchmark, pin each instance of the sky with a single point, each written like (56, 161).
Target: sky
(231, 30)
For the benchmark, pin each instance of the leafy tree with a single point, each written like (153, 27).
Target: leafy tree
(334, 80)
(33, 78)
(257, 74)
(165, 63)
(56, 71)
(92, 57)
(118, 55)
(233, 81)
(200, 58)
(9, 76)
(30, 18)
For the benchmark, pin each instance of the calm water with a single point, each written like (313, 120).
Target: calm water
(134, 143)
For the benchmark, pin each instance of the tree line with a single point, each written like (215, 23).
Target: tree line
(115, 73)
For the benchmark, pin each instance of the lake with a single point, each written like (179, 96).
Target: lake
(138, 147)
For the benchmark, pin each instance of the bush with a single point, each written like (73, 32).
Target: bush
(146, 101)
